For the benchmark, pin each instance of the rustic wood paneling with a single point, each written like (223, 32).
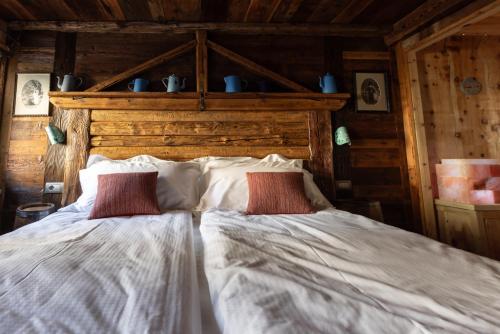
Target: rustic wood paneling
(202, 128)
(191, 133)
(23, 141)
(375, 163)
(459, 126)
(191, 152)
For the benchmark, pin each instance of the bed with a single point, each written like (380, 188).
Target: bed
(129, 275)
(335, 272)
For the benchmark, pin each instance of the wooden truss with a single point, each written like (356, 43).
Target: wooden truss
(201, 43)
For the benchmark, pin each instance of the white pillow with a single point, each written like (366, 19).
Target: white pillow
(177, 186)
(224, 184)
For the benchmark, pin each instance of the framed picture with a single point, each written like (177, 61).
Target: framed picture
(371, 91)
(32, 94)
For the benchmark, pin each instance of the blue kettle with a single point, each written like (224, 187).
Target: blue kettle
(233, 84)
(173, 83)
(328, 84)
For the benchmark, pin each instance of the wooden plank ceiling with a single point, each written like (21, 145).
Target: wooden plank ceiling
(386, 12)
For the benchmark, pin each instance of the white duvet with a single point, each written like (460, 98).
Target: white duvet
(334, 272)
(66, 274)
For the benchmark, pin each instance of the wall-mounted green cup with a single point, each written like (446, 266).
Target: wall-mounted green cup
(342, 136)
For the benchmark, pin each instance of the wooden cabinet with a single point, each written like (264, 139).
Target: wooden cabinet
(474, 228)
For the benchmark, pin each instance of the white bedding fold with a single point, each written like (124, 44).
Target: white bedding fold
(334, 272)
(115, 275)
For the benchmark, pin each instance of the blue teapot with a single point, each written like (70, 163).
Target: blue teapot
(138, 85)
(328, 84)
(233, 84)
(69, 83)
(172, 83)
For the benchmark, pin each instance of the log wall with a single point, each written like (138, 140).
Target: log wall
(375, 163)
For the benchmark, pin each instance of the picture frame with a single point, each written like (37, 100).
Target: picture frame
(371, 92)
(32, 94)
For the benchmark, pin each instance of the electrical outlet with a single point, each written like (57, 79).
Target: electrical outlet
(343, 184)
(54, 187)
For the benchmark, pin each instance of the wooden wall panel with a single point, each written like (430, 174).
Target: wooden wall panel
(301, 59)
(376, 162)
(24, 142)
(187, 135)
(456, 125)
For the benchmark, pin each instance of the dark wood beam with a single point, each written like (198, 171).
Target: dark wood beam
(201, 62)
(17, 8)
(351, 11)
(288, 9)
(325, 10)
(112, 9)
(274, 9)
(421, 16)
(452, 24)
(180, 10)
(156, 10)
(345, 30)
(3, 37)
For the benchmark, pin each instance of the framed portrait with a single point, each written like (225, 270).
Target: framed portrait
(32, 94)
(371, 92)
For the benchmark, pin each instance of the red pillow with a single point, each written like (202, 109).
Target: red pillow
(277, 193)
(125, 194)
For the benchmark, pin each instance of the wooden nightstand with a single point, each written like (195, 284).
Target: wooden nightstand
(370, 209)
(475, 228)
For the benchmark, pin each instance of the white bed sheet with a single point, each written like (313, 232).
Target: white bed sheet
(335, 272)
(66, 274)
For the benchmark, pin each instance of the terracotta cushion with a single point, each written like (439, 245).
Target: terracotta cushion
(126, 194)
(277, 193)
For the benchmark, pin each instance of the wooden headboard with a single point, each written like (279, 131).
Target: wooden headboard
(121, 130)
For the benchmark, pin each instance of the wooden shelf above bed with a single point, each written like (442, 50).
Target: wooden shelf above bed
(190, 101)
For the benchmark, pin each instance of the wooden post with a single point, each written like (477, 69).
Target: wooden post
(8, 70)
(401, 100)
(77, 149)
(64, 63)
(416, 144)
(201, 62)
(320, 141)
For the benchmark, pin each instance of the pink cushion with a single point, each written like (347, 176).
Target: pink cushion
(277, 193)
(126, 194)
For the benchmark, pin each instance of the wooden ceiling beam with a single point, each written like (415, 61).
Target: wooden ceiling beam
(156, 10)
(290, 10)
(16, 7)
(421, 16)
(351, 11)
(345, 30)
(3, 37)
(274, 9)
(112, 9)
(452, 24)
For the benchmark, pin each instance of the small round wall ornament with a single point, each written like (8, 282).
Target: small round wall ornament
(470, 86)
